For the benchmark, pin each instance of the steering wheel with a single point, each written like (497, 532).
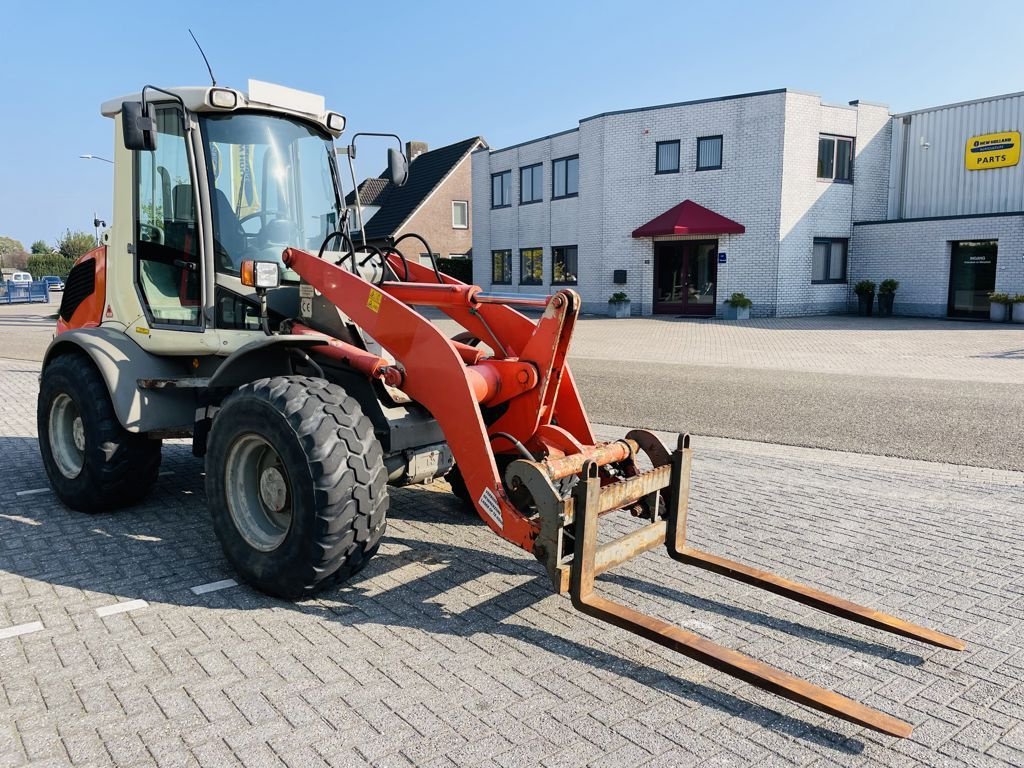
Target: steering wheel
(263, 216)
(151, 233)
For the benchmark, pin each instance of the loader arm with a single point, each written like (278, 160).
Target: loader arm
(558, 481)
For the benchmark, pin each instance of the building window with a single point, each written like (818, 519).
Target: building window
(565, 177)
(531, 184)
(563, 265)
(501, 267)
(829, 262)
(835, 158)
(667, 159)
(531, 266)
(501, 189)
(709, 153)
(460, 214)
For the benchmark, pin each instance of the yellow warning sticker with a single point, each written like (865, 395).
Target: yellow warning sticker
(374, 301)
(140, 329)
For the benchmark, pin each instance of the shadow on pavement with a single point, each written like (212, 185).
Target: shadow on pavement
(157, 550)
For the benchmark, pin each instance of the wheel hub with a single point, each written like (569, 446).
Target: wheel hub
(78, 433)
(66, 434)
(273, 491)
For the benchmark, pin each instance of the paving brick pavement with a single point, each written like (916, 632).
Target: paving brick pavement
(449, 649)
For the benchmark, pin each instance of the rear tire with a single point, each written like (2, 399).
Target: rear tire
(296, 484)
(93, 463)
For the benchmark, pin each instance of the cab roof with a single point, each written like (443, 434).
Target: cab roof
(260, 95)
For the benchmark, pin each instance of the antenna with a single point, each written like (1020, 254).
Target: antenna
(208, 68)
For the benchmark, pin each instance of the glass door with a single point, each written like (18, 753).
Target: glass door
(972, 276)
(668, 278)
(685, 276)
(701, 264)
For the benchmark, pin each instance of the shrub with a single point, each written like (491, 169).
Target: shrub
(50, 264)
(460, 269)
(1018, 299)
(864, 288)
(1001, 298)
(889, 286)
(618, 298)
(739, 301)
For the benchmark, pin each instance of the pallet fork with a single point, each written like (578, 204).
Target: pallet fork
(536, 474)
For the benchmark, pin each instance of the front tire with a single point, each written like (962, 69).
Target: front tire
(93, 463)
(296, 484)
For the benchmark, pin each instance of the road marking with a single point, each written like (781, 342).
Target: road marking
(20, 629)
(129, 605)
(213, 586)
(166, 472)
(21, 519)
(32, 492)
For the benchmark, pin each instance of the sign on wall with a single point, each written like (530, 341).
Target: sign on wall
(992, 150)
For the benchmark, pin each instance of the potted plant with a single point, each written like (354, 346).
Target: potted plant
(886, 296)
(999, 307)
(737, 307)
(618, 305)
(865, 291)
(1018, 308)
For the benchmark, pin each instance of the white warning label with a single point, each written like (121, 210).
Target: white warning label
(489, 504)
(306, 291)
(306, 307)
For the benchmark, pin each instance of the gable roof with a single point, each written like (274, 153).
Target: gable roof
(397, 204)
(371, 192)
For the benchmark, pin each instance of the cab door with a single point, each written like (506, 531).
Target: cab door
(167, 239)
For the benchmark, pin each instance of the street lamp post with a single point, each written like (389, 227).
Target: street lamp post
(96, 221)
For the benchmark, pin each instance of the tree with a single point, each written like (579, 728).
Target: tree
(12, 253)
(40, 248)
(74, 244)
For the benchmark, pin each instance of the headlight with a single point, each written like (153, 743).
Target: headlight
(335, 122)
(223, 98)
(261, 274)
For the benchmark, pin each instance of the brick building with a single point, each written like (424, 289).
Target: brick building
(680, 205)
(434, 203)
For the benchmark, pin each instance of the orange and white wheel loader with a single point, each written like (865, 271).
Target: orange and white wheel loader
(230, 303)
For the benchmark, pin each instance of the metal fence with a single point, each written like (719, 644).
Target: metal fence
(23, 293)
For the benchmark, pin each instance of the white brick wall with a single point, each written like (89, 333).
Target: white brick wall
(767, 183)
(917, 253)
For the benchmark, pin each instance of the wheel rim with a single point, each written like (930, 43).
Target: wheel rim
(258, 492)
(67, 436)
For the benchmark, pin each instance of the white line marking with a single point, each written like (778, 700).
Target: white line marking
(129, 605)
(32, 492)
(20, 629)
(166, 472)
(213, 586)
(21, 519)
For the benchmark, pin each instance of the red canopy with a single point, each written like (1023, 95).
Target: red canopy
(688, 218)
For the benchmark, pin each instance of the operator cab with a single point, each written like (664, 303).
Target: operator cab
(215, 177)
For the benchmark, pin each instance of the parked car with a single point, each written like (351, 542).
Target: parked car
(21, 277)
(53, 282)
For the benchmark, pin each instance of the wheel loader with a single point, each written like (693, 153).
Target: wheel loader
(234, 301)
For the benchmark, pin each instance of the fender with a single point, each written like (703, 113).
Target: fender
(262, 357)
(121, 362)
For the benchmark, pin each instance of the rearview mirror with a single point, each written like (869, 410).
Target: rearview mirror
(398, 167)
(138, 126)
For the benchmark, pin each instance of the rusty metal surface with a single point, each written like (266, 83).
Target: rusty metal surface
(814, 598)
(590, 499)
(601, 454)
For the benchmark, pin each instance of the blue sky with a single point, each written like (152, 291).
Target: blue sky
(440, 72)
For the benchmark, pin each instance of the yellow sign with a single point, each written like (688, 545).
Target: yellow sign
(374, 301)
(992, 150)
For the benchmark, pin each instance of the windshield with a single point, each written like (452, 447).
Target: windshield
(271, 187)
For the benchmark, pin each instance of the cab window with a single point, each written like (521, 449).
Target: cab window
(168, 267)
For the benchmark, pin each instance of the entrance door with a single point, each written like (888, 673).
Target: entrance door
(685, 275)
(972, 276)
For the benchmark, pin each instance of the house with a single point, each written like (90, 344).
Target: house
(774, 194)
(434, 203)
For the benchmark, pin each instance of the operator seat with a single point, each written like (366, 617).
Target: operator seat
(227, 232)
